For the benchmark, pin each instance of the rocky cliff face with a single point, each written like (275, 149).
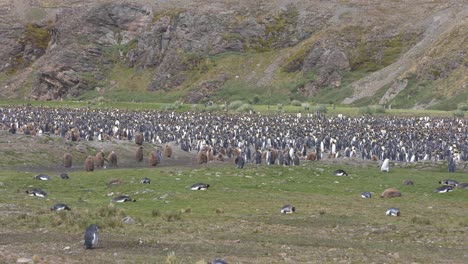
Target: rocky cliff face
(362, 52)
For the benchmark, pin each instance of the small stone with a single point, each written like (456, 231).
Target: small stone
(81, 148)
(128, 220)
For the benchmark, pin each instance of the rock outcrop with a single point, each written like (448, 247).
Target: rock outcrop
(353, 50)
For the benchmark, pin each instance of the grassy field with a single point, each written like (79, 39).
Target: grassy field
(238, 218)
(260, 108)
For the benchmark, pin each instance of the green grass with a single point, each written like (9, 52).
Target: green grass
(238, 217)
(259, 108)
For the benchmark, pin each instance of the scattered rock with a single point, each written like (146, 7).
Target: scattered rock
(128, 220)
(81, 148)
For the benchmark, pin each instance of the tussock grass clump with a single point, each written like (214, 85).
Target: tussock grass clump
(155, 213)
(75, 220)
(365, 110)
(458, 113)
(110, 211)
(378, 109)
(186, 210)
(463, 106)
(234, 105)
(173, 259)
(375, 109)
(213, 108)
(296, 103)
(173, 216)
(195, 107)
(420, 220)
(244, 108)
(174, 106)
(321, 108)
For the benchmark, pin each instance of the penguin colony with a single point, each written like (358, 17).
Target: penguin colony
(312, 136)
(250, 139)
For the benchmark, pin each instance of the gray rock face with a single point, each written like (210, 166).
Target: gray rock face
(79, 53)
(175, 40)
(72, 47)
(112, 24)
(87, 40)
(328, 63)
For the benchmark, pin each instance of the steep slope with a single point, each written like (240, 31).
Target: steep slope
(438, 24)
(398, 53)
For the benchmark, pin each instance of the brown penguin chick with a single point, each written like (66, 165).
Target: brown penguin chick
(167, 151)
(236, 151)
(209, 154)
(67, 160)
(219, 157)
(139, 138)
(99, 159)
(89, 163)
(153, 159)
(202, 157)
(390, 193)
(311, 156)
(112, 159)
(139, 154)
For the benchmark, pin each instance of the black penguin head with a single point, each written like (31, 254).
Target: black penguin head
(93, 228)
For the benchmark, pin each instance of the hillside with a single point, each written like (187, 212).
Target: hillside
(407, 54)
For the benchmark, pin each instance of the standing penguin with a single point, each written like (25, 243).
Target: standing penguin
(67, 160)
(268, 158)
(112, 158)
(385, 165)
(99, 159)
(153, 160)
(202, 157)
(139, 154)
(91, 236)
(258, 157)
(89, 163)
(167, 151)
(139, 138)
(451, 165)
(240, 161)
(295, 160)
